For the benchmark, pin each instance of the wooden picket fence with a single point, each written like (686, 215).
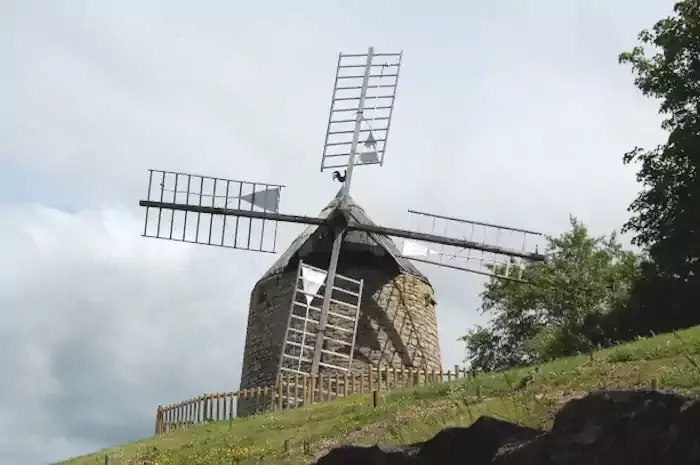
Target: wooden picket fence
(294, 391)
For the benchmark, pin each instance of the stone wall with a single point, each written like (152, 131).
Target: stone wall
(397, 326)
(267, 322)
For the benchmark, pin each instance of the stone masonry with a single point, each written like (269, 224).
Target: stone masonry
(397, 326)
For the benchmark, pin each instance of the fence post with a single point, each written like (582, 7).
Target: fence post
(159, 419)
(193, 407)
(296, 390)
(320, 385)
(370, 380)
(304, 390)
(178, 416)
(312, 394)
(268, 399)
(456, 372)
(280, 392)
(234, 396)
(248, 396)
(175, 416)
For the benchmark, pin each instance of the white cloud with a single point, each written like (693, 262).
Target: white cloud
(100, 326)
(511, 112)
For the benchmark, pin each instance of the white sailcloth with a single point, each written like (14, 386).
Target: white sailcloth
(414, 249)
(312, 280)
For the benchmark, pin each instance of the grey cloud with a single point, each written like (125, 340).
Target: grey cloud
(99, 338)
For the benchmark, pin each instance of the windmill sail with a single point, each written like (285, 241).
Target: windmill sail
(174, 192)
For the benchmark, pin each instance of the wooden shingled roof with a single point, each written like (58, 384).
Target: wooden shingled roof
(356, 213)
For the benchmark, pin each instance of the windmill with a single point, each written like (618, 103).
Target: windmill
(245, 215)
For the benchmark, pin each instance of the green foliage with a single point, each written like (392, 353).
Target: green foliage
(666, 214)
(563, 313)
(592, 293)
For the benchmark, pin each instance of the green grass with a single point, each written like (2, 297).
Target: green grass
(413, 415)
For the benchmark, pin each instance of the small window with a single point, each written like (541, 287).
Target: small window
(430, 300)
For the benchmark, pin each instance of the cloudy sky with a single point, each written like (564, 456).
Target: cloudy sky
(510, 112)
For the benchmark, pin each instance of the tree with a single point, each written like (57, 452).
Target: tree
(564, 311)
(666, 214)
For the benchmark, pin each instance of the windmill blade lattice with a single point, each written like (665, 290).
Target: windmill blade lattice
(246, 233)
(503, 246)
(372, 101)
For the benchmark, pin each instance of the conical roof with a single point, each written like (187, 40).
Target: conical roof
(357, 214)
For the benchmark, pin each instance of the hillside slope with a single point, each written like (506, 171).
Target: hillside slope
(528, 396)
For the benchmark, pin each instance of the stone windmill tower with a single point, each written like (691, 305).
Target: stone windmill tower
(397, 326)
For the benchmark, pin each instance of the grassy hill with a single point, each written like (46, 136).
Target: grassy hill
(529, 396)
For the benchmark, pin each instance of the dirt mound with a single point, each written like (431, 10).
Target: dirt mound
(603, 428)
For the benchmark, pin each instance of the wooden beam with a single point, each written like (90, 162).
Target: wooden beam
(352, 225)
(461, 243)
(234, 212)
